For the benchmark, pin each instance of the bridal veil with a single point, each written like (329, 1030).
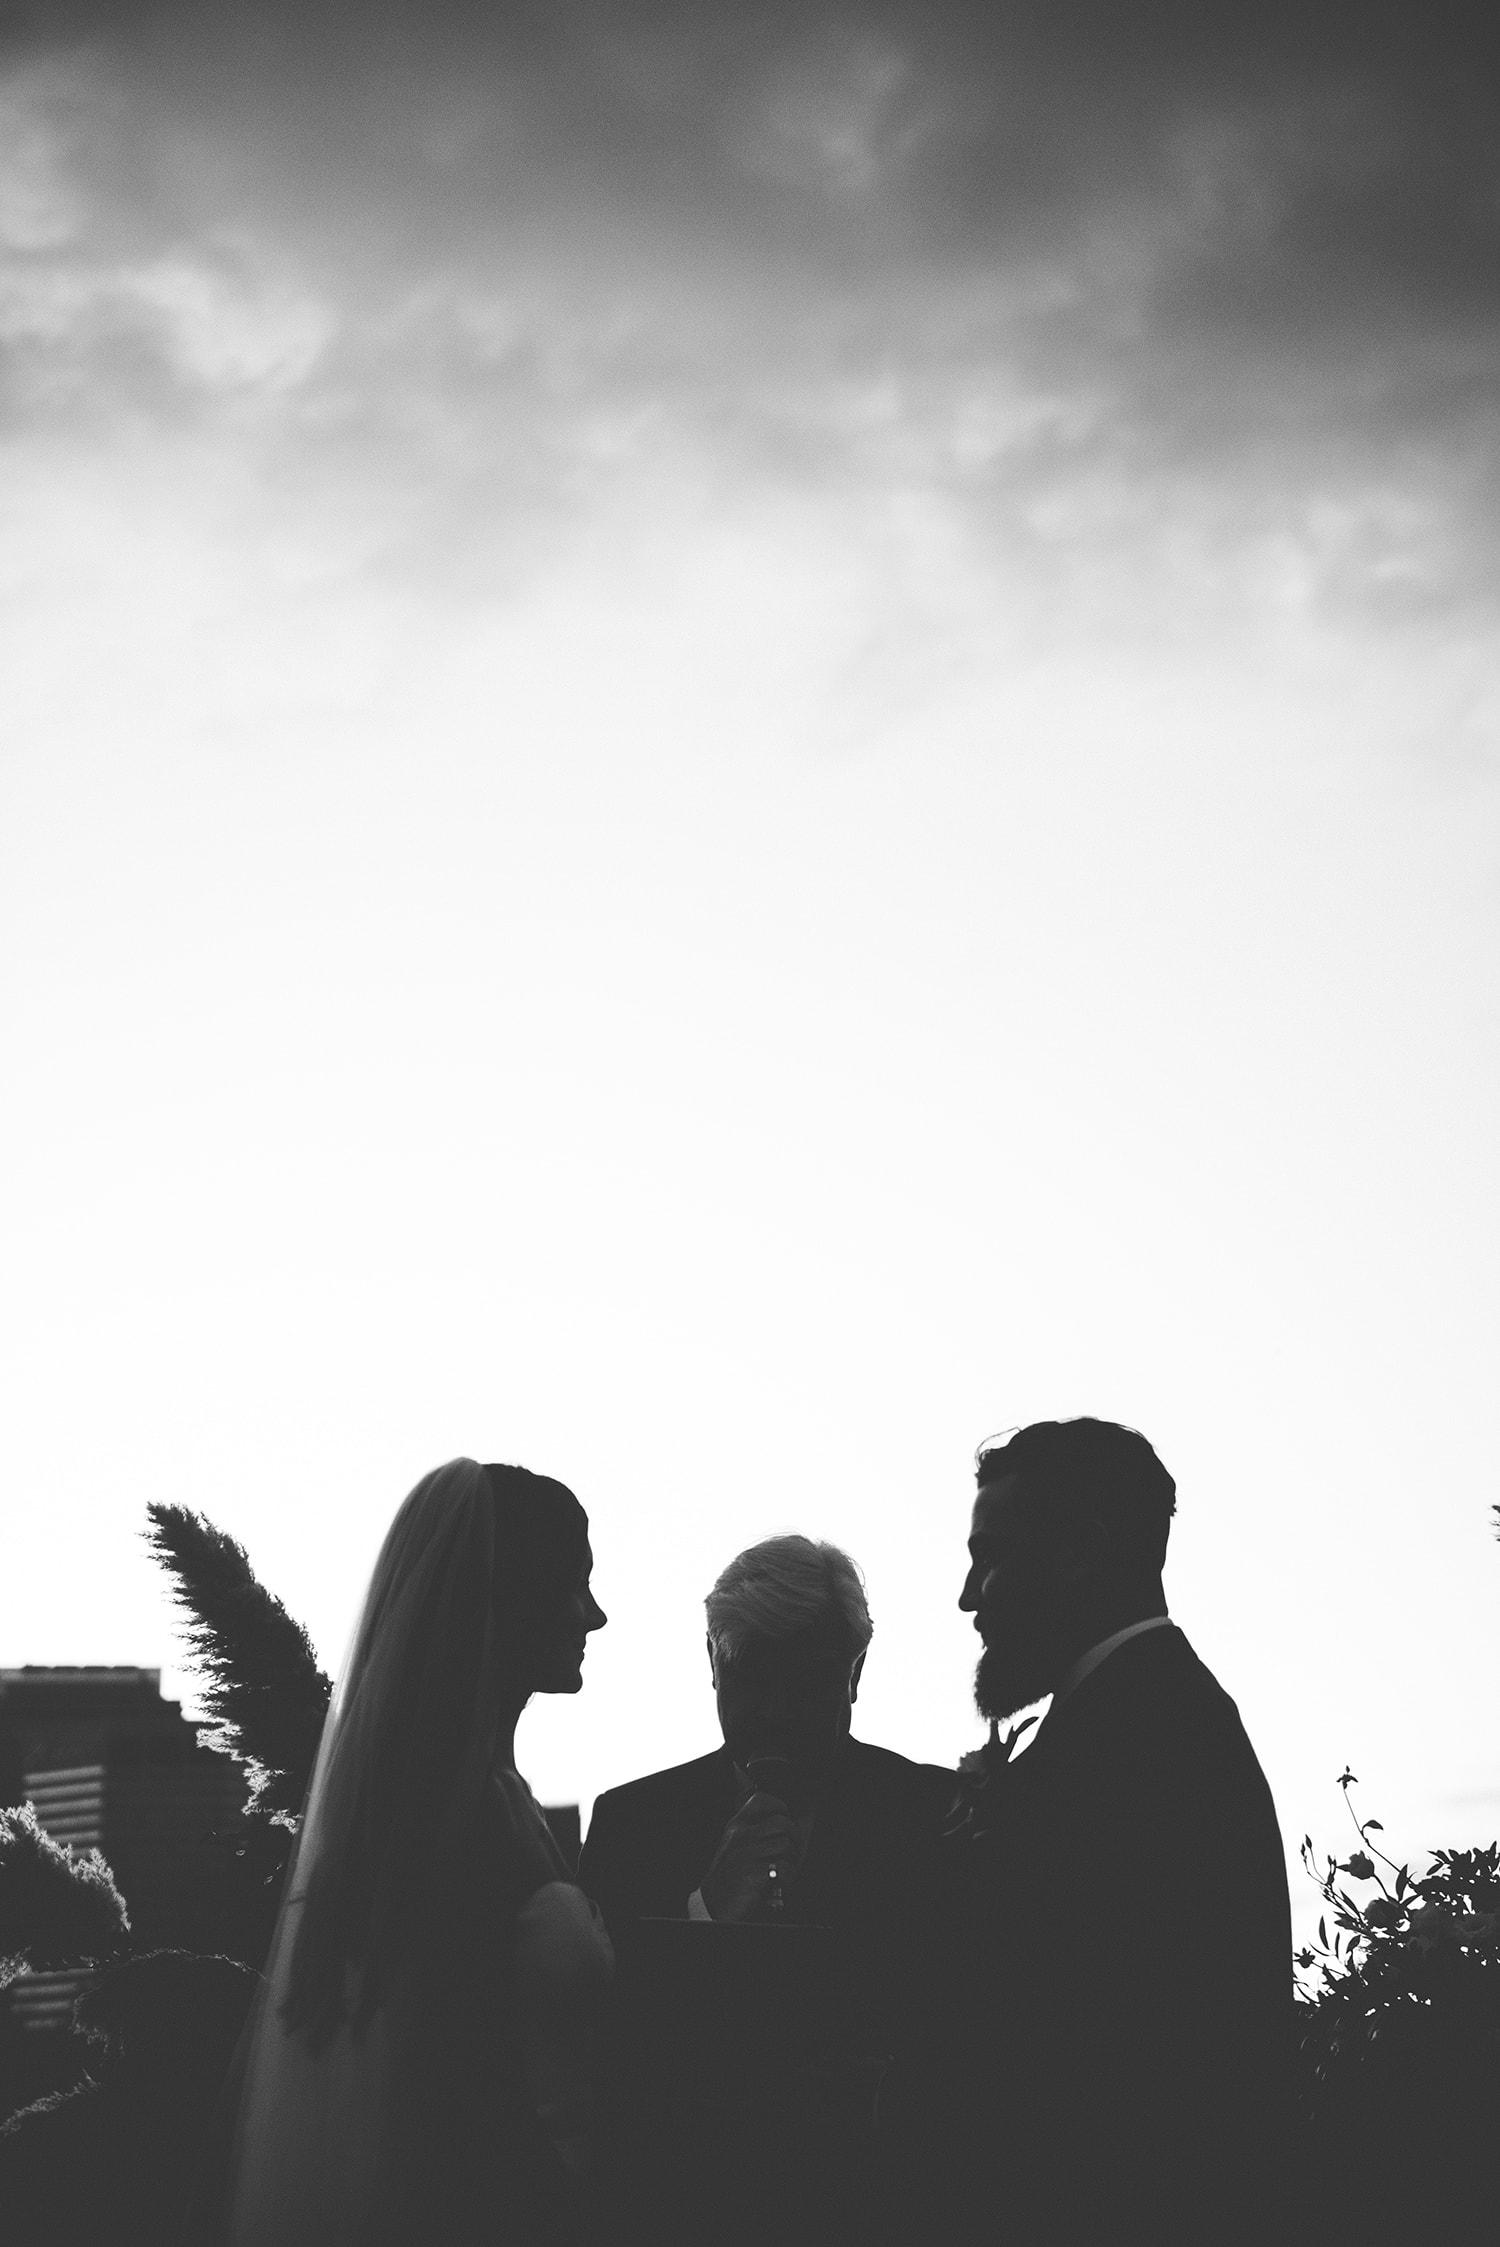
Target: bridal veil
(387, 1958)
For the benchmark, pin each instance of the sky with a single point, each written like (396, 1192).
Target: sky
(736, 742)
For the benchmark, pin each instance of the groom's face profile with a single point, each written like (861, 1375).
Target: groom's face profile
(1017, 1590)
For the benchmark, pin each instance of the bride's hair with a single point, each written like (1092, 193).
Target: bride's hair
(477, 1561)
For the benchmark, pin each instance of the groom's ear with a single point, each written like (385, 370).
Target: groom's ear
(854, 1679)
(1083, 1549)
(712, 1670)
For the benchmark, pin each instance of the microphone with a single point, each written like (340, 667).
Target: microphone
(772, 1774)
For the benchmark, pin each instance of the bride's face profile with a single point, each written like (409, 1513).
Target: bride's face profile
(559, 1643)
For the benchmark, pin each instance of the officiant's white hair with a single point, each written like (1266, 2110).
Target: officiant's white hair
(785, 1588)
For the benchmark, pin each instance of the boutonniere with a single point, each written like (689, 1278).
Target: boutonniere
(981, 1782)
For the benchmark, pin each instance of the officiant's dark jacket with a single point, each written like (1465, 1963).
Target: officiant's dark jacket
(1110, 1996)
(798, 2175)
(877, 1819)
(867, 1872)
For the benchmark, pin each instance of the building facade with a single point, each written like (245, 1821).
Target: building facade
(112, 1766)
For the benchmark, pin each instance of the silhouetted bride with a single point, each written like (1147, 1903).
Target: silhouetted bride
(419, 2070)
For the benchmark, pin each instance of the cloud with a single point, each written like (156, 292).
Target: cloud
(1158, 313)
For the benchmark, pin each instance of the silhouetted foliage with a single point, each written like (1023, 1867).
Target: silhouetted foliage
(1399, 2032)
(115, 2157)
(264, 1693)
(58, 1906)
(166, 2019)
(265, 1697)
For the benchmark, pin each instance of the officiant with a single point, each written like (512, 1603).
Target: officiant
(791, 1815)
(792, 1824)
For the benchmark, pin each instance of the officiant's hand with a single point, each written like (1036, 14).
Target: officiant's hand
(758, 1836)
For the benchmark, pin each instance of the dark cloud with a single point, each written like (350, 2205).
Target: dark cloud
(1089, 273)
(981, 118)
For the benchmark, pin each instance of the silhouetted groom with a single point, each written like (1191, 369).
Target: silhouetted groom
(1116, 2018)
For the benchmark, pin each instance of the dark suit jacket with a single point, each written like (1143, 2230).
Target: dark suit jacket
(1114, 2029)
(799, 2174)
(651, 1842)
(866, 1874)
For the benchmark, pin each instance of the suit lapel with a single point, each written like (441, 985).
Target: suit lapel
(844, 1857)
(708, 1813)
(826, 1846)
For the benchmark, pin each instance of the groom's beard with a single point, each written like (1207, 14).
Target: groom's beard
(1011, 1677)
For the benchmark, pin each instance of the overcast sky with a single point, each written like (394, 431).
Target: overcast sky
(737, 741)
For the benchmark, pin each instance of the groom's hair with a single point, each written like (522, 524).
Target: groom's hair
(788, 1588)
(1072, 1466)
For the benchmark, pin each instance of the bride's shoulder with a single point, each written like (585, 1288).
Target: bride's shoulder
(561, 1939)
(561, 1907)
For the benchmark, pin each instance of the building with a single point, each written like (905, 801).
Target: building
(110, 1765)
